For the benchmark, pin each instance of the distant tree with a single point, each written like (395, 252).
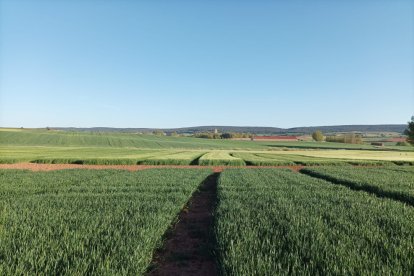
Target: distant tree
(207, 135)
(47, 128)
(349, 138)
(158, 132)
(403, 144)
(352, 138)
(317, 136)
(410, 131)
(226, 136)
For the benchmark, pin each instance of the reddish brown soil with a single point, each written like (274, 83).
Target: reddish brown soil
(53, 167)
(189, 245)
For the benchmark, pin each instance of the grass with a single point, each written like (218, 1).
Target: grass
(277, 222)
(80, 222)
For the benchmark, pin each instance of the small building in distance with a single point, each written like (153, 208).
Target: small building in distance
(274, 138)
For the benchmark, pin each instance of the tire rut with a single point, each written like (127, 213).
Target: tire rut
(189, 245)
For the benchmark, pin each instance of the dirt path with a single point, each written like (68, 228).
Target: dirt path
(53, 167)
(188, 249)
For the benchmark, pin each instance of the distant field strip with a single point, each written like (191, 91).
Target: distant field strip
(277, 222)
(98, 148)
(81, 222)
(96, 155)
(52, 138)
(116, 140)
(282, 158)
(179, 158)
(220, 158)
(130, 156)
(356, 154)
(387, 182)
(256, 159)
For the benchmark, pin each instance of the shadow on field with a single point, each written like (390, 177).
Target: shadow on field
(189, 244)
(196, 160)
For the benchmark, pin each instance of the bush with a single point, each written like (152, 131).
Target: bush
(410, 131)
(317, 136)
(158, 132)
(404, 144)
(347, 138)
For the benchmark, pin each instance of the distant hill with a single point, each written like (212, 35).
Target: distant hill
(399, 128)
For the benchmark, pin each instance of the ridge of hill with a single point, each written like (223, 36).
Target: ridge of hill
(399, 128)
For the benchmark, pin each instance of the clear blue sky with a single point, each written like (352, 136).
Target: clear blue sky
(186, 63)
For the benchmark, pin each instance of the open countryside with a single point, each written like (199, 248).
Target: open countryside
(206, 138)
(196, 197)
(43, 146)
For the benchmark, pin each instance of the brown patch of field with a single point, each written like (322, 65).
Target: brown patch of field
(189, 245)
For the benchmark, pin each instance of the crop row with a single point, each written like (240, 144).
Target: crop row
(81, 222)
(216, 158)
(134, 156)
(393, 182)
(277, 222)
(275, 159)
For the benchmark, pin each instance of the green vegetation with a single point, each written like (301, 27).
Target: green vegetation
(78, 155)
(126, 148)
(257, 159)
(276, 222)
(279, 159)
(158, 132)
(358, 155)
(350, 138)
(179, 158)
(386, 182)
(303, 159)
(220, 158)
(81, 222)
(318, 136)
(234, 135)
(402, 144)
(116, 140)
(18, 137)
(410, 131)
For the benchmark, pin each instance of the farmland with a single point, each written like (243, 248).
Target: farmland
(272, 221)
(215, 158)
(348, 211)
(206, 138)
(266, 221)
(54, 147)
(88, 222)
(396, 183)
